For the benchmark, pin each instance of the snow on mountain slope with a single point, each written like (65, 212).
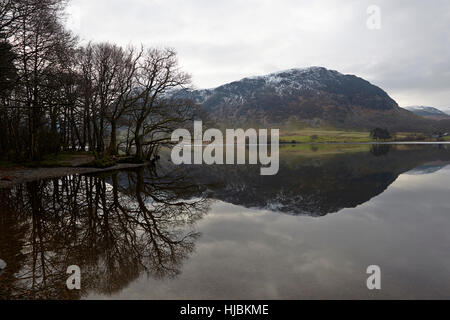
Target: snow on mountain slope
(428, 112)
(313, 95)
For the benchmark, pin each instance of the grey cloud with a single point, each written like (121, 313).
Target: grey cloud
(222, 41)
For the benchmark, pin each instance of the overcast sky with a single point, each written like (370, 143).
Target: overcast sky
(219, 41)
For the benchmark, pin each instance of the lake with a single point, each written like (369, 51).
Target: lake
(226, 232)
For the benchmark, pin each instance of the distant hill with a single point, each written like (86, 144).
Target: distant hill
(428, 112)
(312, 96)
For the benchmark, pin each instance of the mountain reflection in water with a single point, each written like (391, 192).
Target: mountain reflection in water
(314, 183)
(121, 225)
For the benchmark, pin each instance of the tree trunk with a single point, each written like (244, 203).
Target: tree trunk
(139, 141)
(113, 143)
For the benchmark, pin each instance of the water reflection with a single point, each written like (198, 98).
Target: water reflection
(114, 227)
(319, 182)
(134, 229)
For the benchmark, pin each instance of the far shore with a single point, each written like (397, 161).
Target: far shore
(13, 175)
(370, 142)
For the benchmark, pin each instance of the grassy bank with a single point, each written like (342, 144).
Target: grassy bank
(314, 135)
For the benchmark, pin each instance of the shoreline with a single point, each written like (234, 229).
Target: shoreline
(370, 142)
(21, 175)
(17, 175)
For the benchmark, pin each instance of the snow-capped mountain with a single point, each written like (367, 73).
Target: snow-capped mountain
(314, 96)
(428, 112)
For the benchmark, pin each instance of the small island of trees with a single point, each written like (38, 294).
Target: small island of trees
(380, 134)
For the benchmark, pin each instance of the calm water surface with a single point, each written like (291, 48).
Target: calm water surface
(225, 232)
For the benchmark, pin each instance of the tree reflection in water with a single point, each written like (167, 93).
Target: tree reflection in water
(115, 227)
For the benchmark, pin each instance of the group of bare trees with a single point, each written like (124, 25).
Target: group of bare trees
(58, 95)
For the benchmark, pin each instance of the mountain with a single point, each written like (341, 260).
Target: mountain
(429, 112)
(313, 96)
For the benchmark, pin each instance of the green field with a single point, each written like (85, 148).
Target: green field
(313, 135)
(324, 136)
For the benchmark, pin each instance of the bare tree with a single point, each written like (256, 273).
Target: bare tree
(11, 12)
(157, 111)
(58, 96)
(38, 40)
(125, 87)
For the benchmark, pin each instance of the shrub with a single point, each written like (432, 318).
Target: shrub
(379, 133)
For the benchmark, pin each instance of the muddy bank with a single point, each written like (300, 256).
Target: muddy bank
(17, 175)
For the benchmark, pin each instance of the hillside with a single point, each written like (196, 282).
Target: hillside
(312, 96)
(428, 112)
